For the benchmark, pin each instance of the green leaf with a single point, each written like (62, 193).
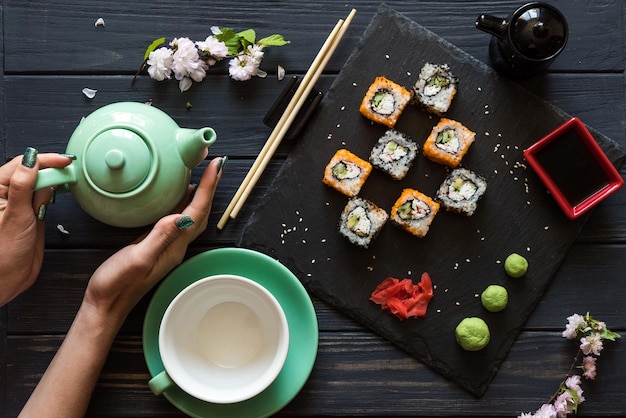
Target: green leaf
(226, 35)
(249, 35)
(153, 46)
(273, 40)
(607, 334)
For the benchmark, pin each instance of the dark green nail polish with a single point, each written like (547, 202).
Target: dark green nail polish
(70, 156)
(184, 222)
(30, 157)
(41, 214)
(223, 161)
(53, 197)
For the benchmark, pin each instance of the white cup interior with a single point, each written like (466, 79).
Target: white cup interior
(224, 339)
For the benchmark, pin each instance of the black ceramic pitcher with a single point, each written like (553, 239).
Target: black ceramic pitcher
(528, 41)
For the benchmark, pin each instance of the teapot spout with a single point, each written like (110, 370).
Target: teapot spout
(492, 25)
(193, 144)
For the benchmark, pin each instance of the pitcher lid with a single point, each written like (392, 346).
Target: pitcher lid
(539, 31)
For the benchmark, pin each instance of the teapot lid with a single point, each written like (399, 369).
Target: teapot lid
(539, 31)
(117, 160)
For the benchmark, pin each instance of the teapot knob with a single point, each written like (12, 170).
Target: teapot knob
(114, 159)
(118, 161)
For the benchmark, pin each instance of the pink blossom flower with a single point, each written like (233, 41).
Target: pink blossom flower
(547, 410)
(160, 63)
(591, 344)
(573, 383)
(565, 404)
(589, 367)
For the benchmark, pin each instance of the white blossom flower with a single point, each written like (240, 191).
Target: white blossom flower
(160, 63)
(591, 344)
(242, 68)
(187, 62)
(213, 48)
(256, 52)
(574, 322)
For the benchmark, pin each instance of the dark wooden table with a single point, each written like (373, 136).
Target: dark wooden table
(52, 49)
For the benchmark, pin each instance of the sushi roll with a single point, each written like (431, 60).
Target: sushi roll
(394, 154)
(461, 191)
(384, 101)
(361, 221)
(435, 88)
(414, 212)
(448, 142)
(346, 172)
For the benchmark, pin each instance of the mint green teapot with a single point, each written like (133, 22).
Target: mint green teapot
(133, 163)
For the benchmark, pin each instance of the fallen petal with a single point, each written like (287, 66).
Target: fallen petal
(100, 22)
(281, 73)
(184, 84)
(89, 93)
(62, 230)
(260, 73)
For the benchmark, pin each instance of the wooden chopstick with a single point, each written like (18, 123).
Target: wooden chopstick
(283, 125)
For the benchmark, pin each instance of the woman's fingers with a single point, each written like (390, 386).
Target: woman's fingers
(200, 206)
(21, 176)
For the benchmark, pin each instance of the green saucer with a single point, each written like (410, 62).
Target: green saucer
(290, 294)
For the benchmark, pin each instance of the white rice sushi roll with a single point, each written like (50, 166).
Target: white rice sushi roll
(394, 154)
(361, 221)
(461, 191)
(435, 88)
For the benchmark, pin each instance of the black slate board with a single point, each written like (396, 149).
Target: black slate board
(297, 222)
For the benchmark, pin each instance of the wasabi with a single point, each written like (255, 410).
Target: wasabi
(472, 334)
(515, 265)
(494, 298)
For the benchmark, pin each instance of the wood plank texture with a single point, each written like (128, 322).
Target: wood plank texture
(51, 49)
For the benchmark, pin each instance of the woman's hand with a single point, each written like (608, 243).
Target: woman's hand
(122, 280)
(113, 290)
(22, 211)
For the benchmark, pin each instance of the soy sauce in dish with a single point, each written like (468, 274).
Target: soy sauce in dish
(572, 167)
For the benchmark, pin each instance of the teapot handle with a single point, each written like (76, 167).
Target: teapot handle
(49, 177)
(492, 25)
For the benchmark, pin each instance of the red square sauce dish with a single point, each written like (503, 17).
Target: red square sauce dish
(573, 167)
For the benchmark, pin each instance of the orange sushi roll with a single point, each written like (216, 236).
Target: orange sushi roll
(414, 212)
(448, 142)
(384, 101)
(346, 172)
